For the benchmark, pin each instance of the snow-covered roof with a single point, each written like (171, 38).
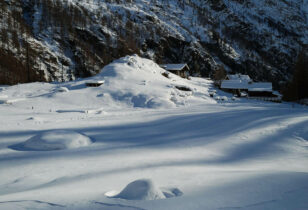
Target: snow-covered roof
(96, 82)
(174, 67)
(250, 86)
(238, 77)
(234, 84)
(260, 86)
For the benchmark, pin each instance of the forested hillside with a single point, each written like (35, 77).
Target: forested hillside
(48, 40)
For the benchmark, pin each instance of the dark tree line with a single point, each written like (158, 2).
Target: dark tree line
(297, 89)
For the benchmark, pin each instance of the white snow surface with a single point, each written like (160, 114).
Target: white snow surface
(224, 154)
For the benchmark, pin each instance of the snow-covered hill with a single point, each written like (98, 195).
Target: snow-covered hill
(139, 142)
(62, 40)
(130, 82)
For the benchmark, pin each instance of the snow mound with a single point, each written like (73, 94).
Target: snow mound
(62, 90)
(142, 189)
(54, 140)
(136, 82)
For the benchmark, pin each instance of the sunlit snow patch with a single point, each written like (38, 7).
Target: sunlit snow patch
(54, 140)
(143, 189)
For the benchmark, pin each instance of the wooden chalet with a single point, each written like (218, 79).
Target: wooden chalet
(243, 85)
(181, 70)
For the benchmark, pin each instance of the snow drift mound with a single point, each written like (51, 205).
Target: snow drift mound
(137, 82)
(54, 140)
(142, 189)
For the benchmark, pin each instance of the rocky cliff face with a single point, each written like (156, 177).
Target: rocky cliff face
(47, 40)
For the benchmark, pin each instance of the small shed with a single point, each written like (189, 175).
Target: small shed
(95, 83)
(181, 70)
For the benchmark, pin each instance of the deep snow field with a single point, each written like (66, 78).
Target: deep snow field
(138, 142)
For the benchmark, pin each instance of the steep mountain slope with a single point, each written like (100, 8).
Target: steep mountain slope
(64, 39)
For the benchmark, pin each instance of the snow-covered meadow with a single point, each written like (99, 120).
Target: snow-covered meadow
(139, 142)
